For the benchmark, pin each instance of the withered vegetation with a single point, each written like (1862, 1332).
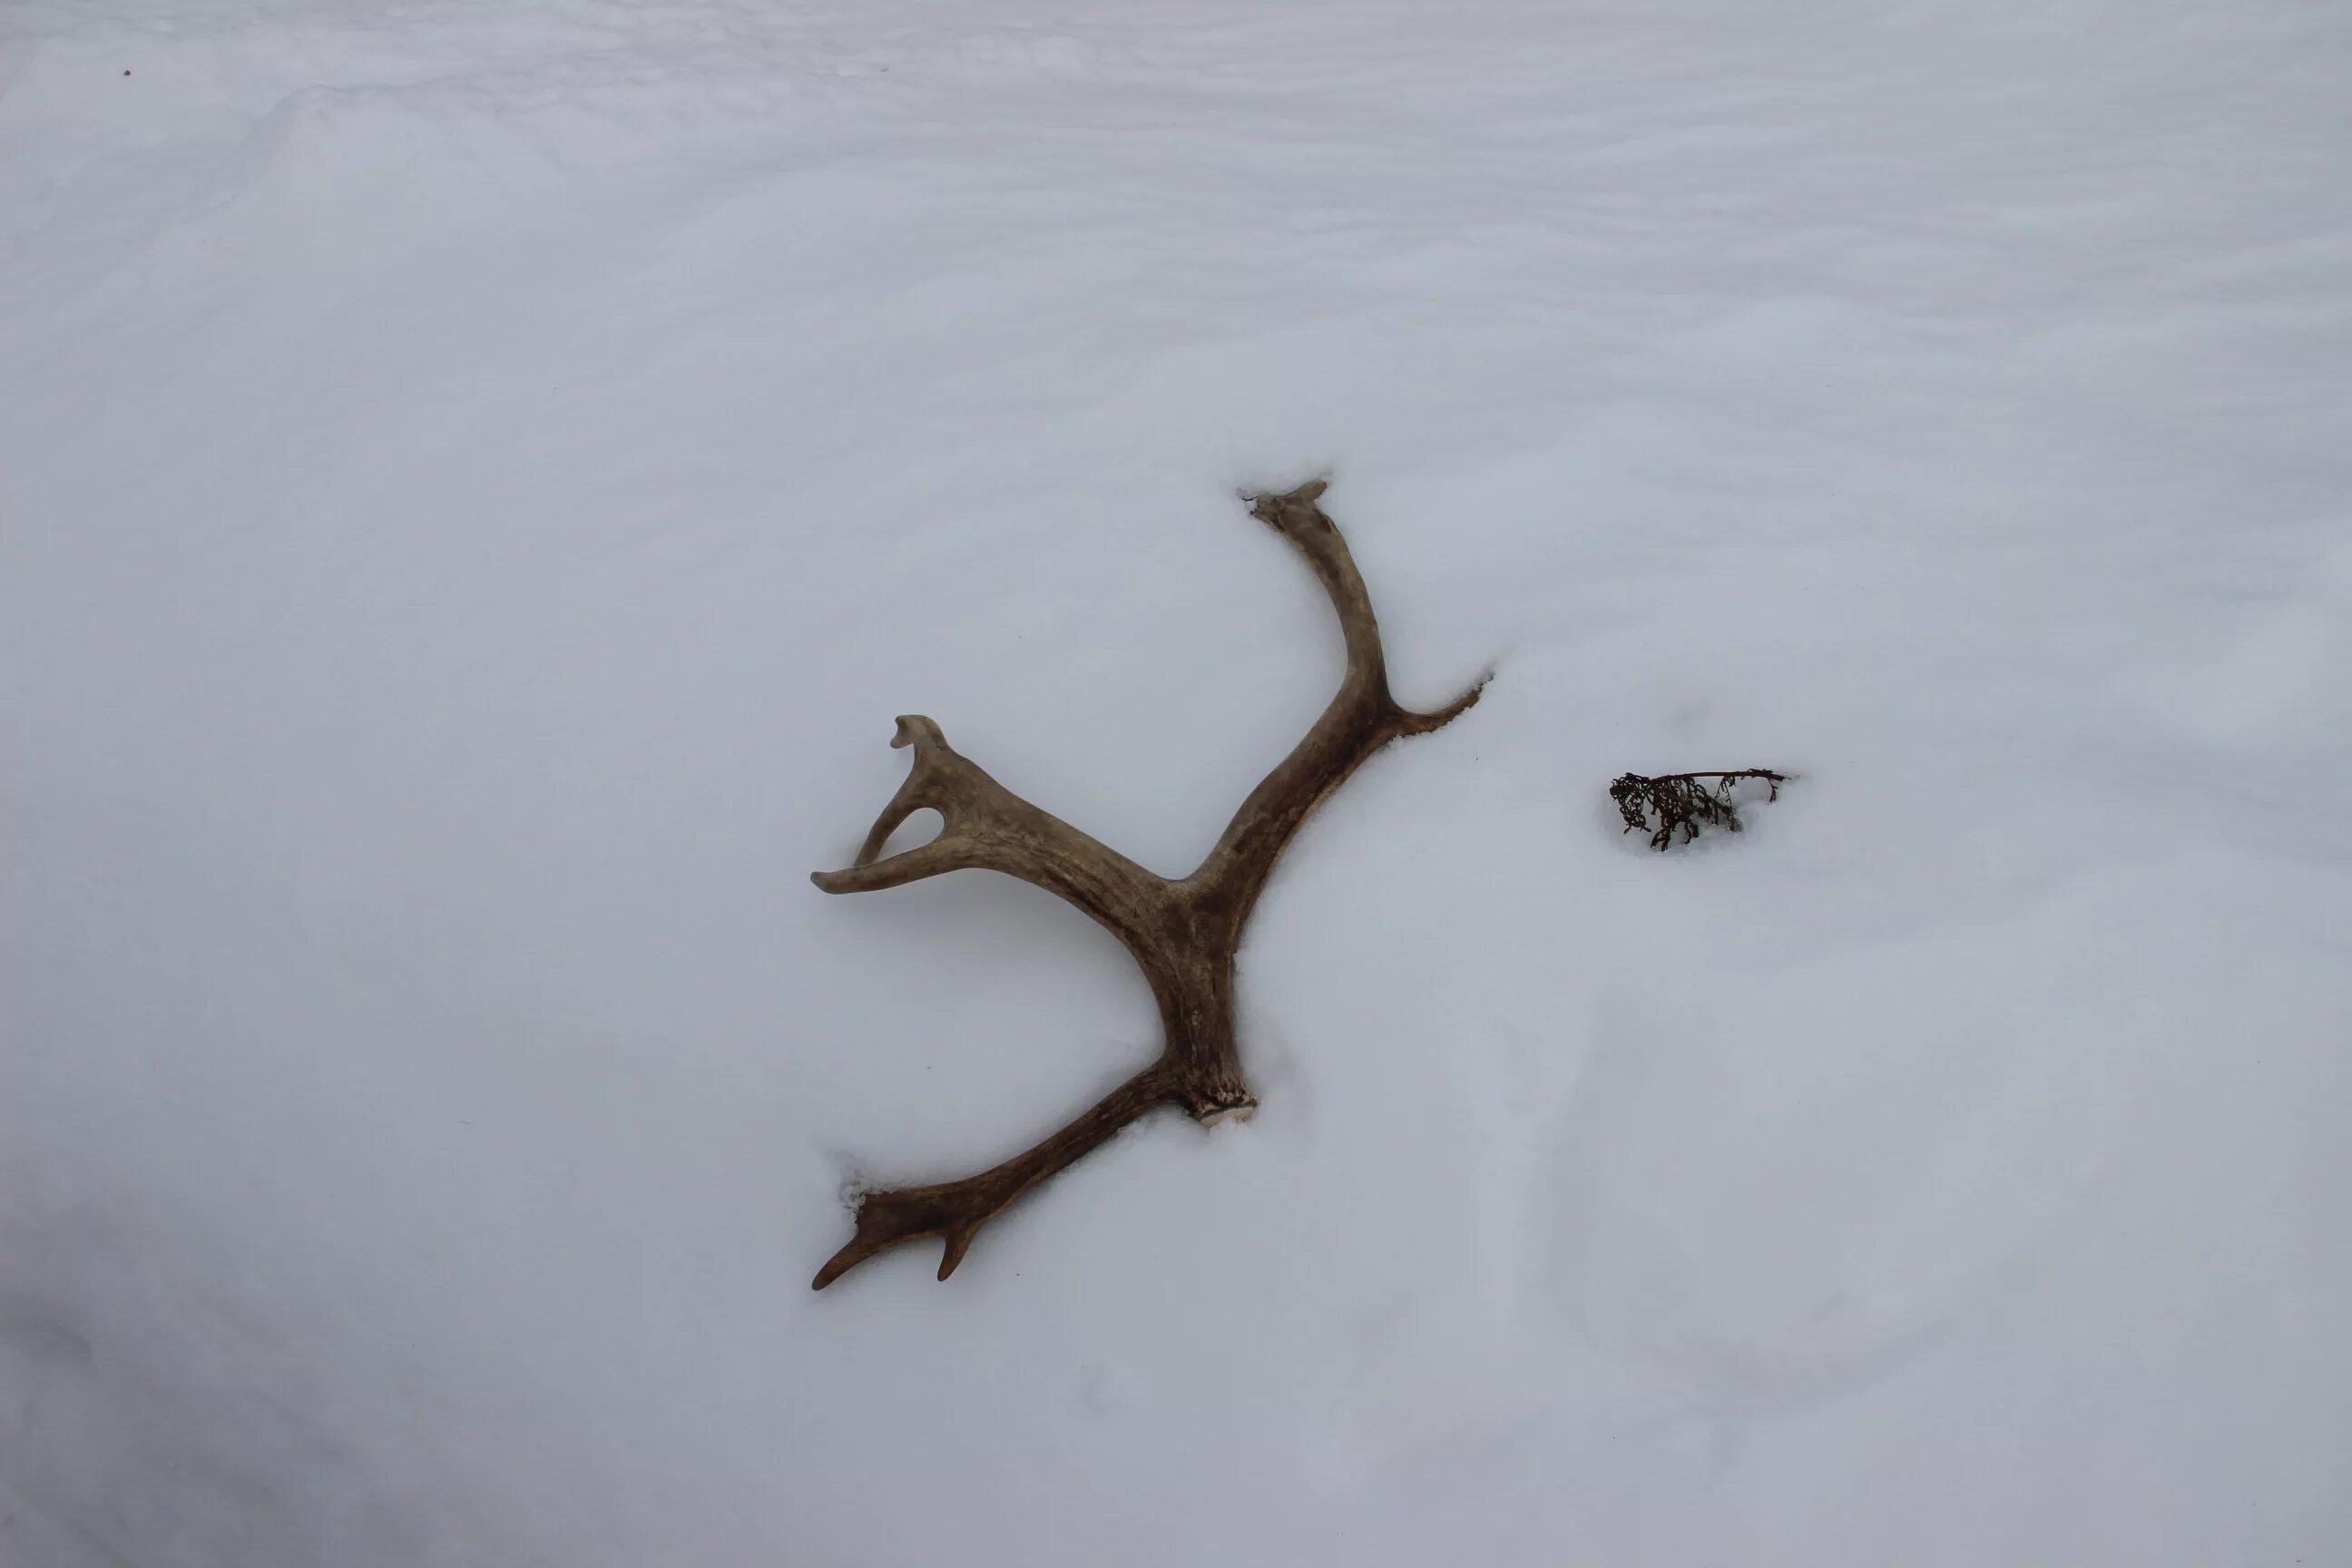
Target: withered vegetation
(1680, 801)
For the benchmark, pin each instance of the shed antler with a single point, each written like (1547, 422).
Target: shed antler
(1183, 934)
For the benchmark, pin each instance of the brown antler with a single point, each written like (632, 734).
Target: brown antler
(1183, 933)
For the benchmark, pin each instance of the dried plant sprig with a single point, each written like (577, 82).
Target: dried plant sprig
(1680, 801)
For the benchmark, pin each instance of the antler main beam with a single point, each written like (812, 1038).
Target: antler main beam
(1183, 934)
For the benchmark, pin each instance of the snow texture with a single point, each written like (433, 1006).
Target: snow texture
(478, 478)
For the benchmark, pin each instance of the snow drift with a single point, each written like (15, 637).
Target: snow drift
(477, 481)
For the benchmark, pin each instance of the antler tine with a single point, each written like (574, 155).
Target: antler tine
(1411, 723)
(1361, 718)
(954, 1211)
(986, 827)
(913, 795)
(869, 872)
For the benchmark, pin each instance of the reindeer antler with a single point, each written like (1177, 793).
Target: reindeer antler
(1183, 933)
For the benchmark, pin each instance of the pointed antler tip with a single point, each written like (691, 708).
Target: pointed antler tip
(1423, 723)
(914, 730)
(858, 1248)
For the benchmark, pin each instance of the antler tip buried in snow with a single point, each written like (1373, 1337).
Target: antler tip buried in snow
(1183, 934)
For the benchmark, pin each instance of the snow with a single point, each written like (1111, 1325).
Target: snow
(478, 481)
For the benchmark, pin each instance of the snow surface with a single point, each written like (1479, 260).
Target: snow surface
(478, 481)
